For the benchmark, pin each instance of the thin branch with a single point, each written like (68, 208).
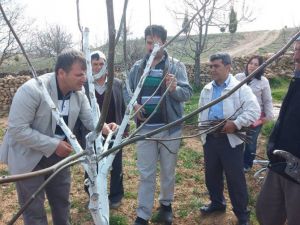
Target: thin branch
(52, 169)
(34, 195)
(139, 109)
(111, 57)
(123, 19)
(195, 112)
(153, 112)
(78, 23)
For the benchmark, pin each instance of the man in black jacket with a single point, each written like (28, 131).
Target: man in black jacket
(278, 199)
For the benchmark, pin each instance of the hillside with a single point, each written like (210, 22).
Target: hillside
(240, 44)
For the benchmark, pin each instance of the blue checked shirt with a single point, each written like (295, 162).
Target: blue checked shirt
(216, 111)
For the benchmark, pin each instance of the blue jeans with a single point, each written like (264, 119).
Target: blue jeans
(250, 149)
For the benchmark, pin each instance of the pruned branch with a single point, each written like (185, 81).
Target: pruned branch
(79, 23)
(122, 22)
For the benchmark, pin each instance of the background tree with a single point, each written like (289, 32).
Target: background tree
(52, 41)
(211, 16)
(8, 46)
(232, 21)
(184, 23)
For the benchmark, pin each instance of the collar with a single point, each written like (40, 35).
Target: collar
(225, 84)
(96, 83)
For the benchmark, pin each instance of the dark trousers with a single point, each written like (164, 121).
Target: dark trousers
(116, 180)
(278, 201)
(57, 192)
(219, 158)
(250, 149)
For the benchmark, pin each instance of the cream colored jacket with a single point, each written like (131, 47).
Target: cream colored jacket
(249, 112)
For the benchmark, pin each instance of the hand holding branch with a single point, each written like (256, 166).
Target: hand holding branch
(229, 127)
(170, 78)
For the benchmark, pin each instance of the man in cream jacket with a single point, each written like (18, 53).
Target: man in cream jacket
(223, 151)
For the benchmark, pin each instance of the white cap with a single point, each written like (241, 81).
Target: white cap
(101, 54)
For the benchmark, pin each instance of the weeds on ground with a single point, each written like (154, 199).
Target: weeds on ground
(279, 87)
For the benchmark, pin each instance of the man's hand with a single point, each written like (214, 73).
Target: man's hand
(139, 115)
(63, 149)
(171, 78)
(264, 120)
(229, 127)
(107, 128)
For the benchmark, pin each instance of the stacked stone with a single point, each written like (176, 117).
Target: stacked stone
(8, 87)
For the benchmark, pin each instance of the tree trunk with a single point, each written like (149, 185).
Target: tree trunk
(197, 71)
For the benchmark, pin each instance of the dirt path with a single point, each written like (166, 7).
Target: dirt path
(252, 43)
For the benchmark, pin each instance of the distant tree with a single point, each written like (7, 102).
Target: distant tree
(184, 23)
(52, 41)
(8, 45)
(210, 14)
(233, 22)
(135, 50)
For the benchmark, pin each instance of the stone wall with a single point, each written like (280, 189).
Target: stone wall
(8, 87)
(10, 83)
(283, 66)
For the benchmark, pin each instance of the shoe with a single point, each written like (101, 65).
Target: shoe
(207, 209)
(165, 214)
(114, 205)
(140, 221)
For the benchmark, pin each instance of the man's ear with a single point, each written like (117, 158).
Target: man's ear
(228, 67)
(61, 72)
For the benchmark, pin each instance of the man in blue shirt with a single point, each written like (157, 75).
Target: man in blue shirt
(223, 151)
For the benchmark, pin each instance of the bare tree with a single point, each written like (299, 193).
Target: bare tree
(8, 46)
(211, 14)
(52, 40)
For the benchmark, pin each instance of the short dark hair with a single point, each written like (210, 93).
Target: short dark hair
(67, 58)
(260, 61)
(96, 55)
(156, 30)
(225, 57)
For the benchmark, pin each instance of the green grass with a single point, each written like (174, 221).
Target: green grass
(118, 220)
(190, 158)
(15, 65)
(3, 172)
(130, 195)
(279, 87)
(267, 128)
(192, 105)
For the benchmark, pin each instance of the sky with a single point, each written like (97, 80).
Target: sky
(269, 14)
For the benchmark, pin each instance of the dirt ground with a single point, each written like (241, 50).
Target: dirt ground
(190, 192)
(252, 42)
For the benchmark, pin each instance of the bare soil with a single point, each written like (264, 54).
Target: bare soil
(190, 193)
(252, 42)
